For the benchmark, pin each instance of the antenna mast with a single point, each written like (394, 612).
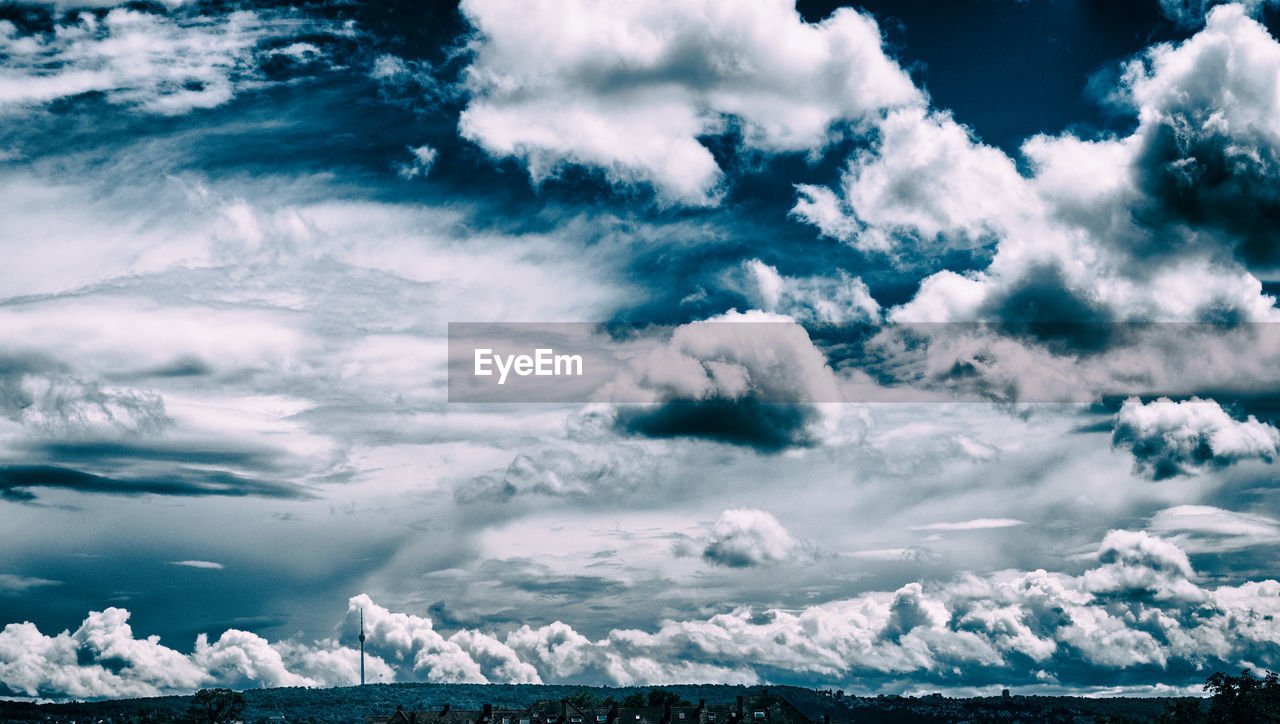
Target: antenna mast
(362, 647)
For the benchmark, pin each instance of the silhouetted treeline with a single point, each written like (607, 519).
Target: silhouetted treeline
(1238, 699)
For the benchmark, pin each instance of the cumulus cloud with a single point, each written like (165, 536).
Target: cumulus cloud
(1136, 563)
(1173, 222)
(748, 378)
(1208, 152)
(1140, 605)
(1170, 438)
(629, 88)
(743, 537)
(103, 659)
(926, 185)
(814, 299)
(465, 658)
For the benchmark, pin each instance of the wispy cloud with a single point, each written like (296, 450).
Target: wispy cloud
(198, 564)
(11, 584)
(975, 524)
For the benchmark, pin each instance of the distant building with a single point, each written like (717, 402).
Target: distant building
(763, 708)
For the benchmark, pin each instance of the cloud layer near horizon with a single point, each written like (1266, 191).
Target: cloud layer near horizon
(1140, 607)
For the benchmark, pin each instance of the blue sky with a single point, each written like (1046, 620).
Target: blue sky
(1012, 264)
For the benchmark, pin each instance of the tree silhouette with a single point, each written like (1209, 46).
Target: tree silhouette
(662, 697)
(584, 699)
(215, 706)
(1244, 699)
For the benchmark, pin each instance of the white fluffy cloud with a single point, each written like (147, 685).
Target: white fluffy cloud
(733, 356)
(628, 88)
(743, 537)
(925, 183)
(1172, 223)
(1166, 224)
(1142, 604)
(1136, 561)
(825, 300)
(1128, 611)
(1177, 438)
(103, 659)
(467, 657)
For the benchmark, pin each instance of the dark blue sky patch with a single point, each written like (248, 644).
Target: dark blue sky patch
(1011, 69)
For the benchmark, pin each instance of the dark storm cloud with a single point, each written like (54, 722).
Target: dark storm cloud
(769, 427)
(1226, 188)
(185, 482)
(185, 366)
(1042, 305)
(750, 379)
(163, 450)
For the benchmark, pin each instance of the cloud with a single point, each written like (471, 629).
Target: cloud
(38, 391)
(1170, 438)
(743, 538)
(1129, 612)
(1141, 605)
(817, 299)
(199, 564)
(155, 63)
(926, 185)
(629, 89)
(181, 481)
(11, 584)
(742, 378)
(581, 468)
(414, 641)
(1190, 13)
(103, 659)
(1136, 563)
(975, 524)
(1172, 222)
(423, 158)
(1208, 157)
(1206, 529)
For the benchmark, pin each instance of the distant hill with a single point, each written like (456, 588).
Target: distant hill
(350, 705)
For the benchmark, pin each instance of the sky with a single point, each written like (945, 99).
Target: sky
(936, 341)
